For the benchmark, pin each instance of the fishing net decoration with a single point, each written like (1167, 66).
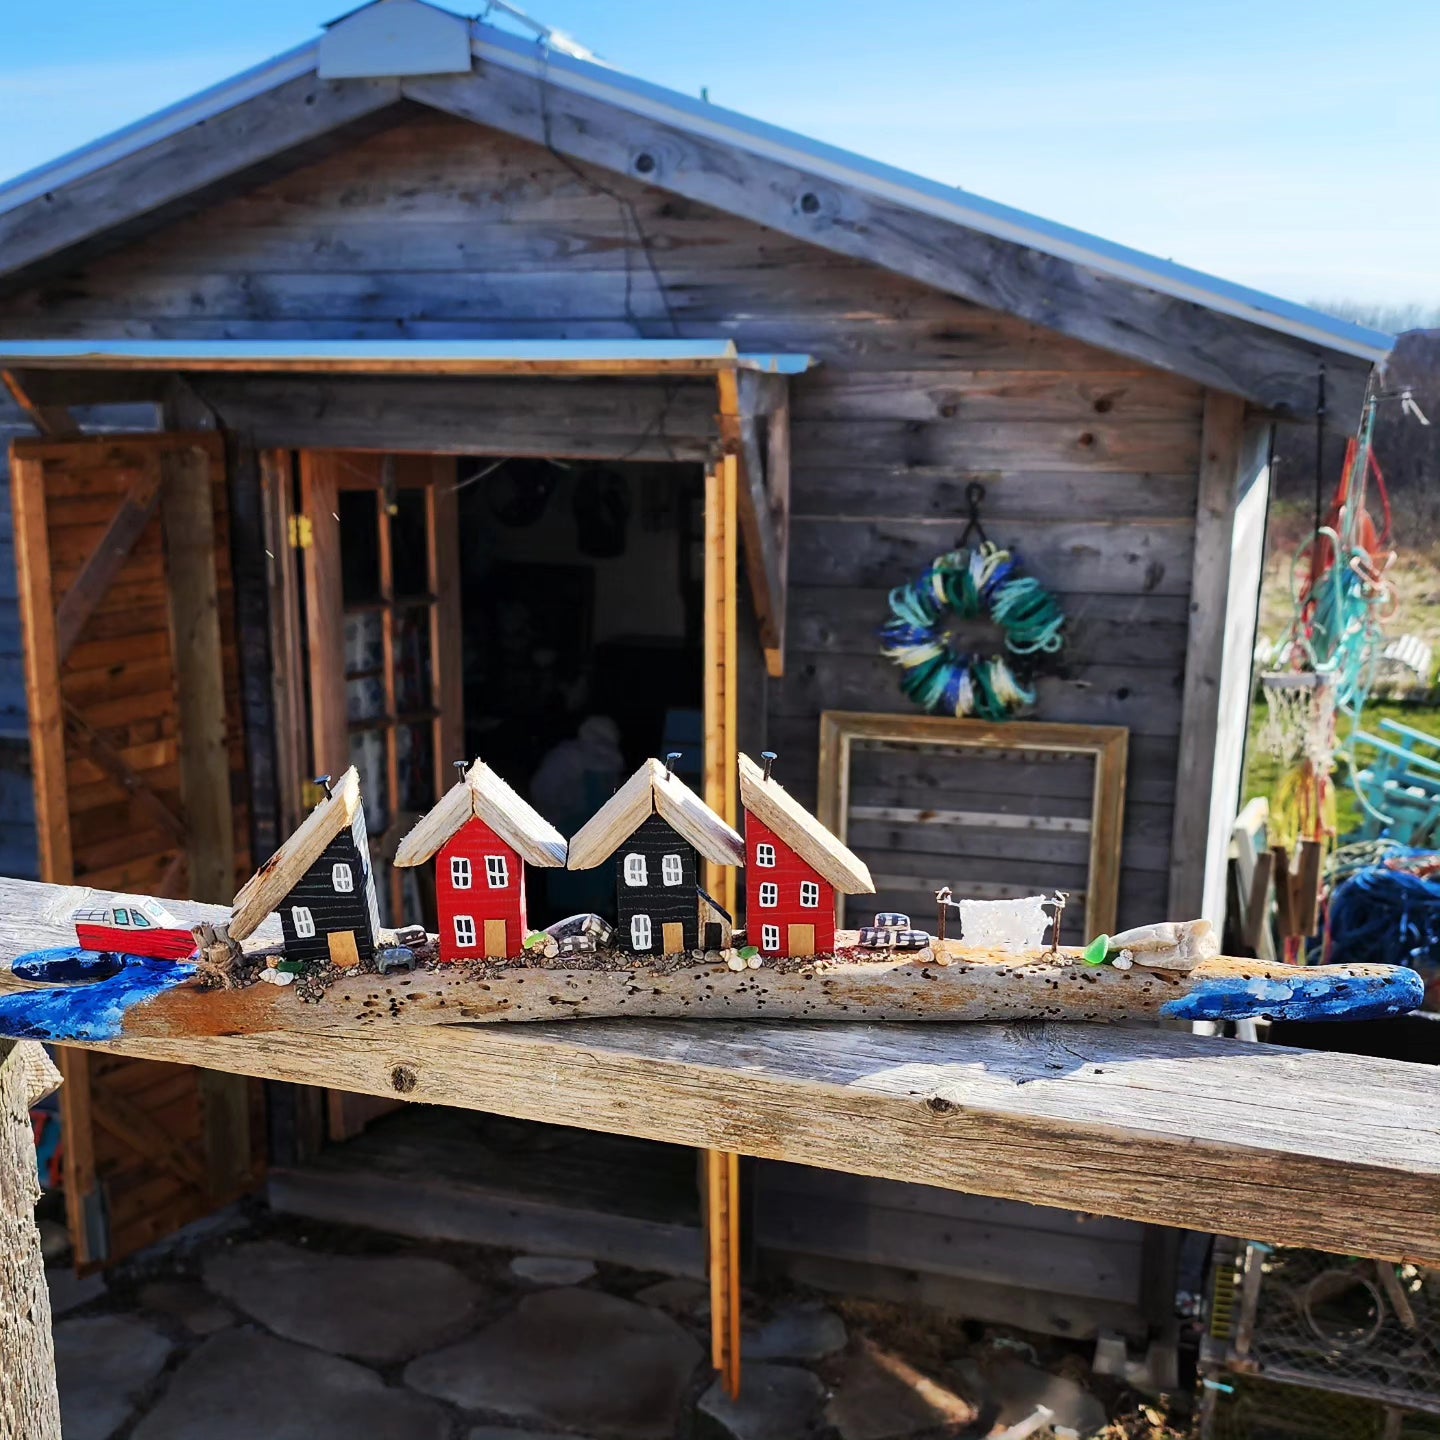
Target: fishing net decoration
(968, 584)
(1300, 733)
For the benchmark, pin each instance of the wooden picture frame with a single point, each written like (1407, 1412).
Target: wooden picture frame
(1106, 745)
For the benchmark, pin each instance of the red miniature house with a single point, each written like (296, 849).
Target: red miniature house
(794, 867)
(481, 836)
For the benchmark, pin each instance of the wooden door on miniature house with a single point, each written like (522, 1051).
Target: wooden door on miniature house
(382, 624)
(132, 682)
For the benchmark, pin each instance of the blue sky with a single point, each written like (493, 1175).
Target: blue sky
(1286, 144)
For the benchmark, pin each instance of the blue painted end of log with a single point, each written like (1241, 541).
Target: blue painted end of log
(94, 1008)
(1321, 995)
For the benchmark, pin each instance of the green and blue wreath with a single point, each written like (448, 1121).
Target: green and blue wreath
(967, 584)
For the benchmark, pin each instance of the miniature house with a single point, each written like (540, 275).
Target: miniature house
(321, 883)
(794, 869)
(657, 830)
(482, 835)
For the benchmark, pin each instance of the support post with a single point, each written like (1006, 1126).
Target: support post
(29, 1400)
(187, 515)
(1232, 459)
(721, 785)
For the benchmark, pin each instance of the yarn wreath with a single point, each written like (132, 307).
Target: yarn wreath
(972, 584)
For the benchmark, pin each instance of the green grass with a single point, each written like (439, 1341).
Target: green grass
(1415, 576)
(1262, 771)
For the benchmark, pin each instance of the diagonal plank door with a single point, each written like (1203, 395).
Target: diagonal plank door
(130, 666)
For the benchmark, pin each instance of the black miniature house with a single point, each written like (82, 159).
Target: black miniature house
(657, 830)
(321, 883)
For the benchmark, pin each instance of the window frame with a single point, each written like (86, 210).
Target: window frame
(339, 868)
(764, 855)
(768, 945)
(460, 866)
(810, 888)
(304, 929)
(497, 865)
(768, 896)
(635, 870)
(666, 868)
(649, 941)
(467, 921)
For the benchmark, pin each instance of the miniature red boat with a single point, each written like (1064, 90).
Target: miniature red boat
(136, 927)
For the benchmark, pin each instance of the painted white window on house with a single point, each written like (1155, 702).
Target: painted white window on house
(497, 872)
(635, 872)
(303, 921)
(460, 872)
(342, 878)
(770, 938)
(465, 931)
(671, 871)
(769, 894)
(809, 894)
(765, 856)
(640, 932)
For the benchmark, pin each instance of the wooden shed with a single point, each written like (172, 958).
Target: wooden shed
(429, 388)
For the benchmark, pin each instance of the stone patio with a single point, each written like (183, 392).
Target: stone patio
(293, 1330)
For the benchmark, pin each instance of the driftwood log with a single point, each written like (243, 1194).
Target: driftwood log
(29, 1403)
(979, 987)
(945, 982)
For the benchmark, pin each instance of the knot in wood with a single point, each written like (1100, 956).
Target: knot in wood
(939, 1105)
(403, 1079)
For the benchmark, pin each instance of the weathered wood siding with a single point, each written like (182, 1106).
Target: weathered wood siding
(438, 228)
(17, 804)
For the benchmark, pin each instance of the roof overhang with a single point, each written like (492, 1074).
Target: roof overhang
(401, 357)
(1221, 335)
(751, 415)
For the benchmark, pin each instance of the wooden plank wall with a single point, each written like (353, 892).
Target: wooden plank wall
(439, 229)
(1051, 1270)
(17, 805)
(120, 676)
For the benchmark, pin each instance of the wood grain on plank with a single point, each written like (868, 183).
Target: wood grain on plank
(1149, 1125)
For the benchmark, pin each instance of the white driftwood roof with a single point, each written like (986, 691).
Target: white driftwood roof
(484, 795)
(277, 877)
(771, 804)
(653, 791)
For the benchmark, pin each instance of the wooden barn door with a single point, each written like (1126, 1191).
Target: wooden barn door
(132, 681)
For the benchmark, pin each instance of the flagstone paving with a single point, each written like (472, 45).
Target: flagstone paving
(295, 1332)
(570, 1358)
(103, 1364)
(244, 1384)
(370, 1307)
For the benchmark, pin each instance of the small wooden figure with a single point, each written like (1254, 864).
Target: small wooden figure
(321, 882)
(482, 835)
(795, 869)
(657, 829)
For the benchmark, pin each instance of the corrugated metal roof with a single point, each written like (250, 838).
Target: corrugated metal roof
(898, 186)
(594, 357)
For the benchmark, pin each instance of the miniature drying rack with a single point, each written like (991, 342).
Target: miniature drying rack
(1336, 1152)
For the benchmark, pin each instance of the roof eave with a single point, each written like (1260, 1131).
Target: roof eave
(944, 202)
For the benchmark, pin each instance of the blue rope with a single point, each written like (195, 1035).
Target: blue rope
(1385, 917)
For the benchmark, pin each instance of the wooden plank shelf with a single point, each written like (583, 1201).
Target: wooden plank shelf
(1140, 1123)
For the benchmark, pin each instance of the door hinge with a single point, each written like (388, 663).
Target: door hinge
(302, 532)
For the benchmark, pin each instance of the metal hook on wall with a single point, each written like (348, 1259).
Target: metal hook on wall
(974, 494)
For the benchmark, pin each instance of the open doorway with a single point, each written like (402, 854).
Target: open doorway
(582, 602)
(549, 616)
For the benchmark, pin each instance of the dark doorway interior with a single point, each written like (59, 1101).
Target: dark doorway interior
(582, 598)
